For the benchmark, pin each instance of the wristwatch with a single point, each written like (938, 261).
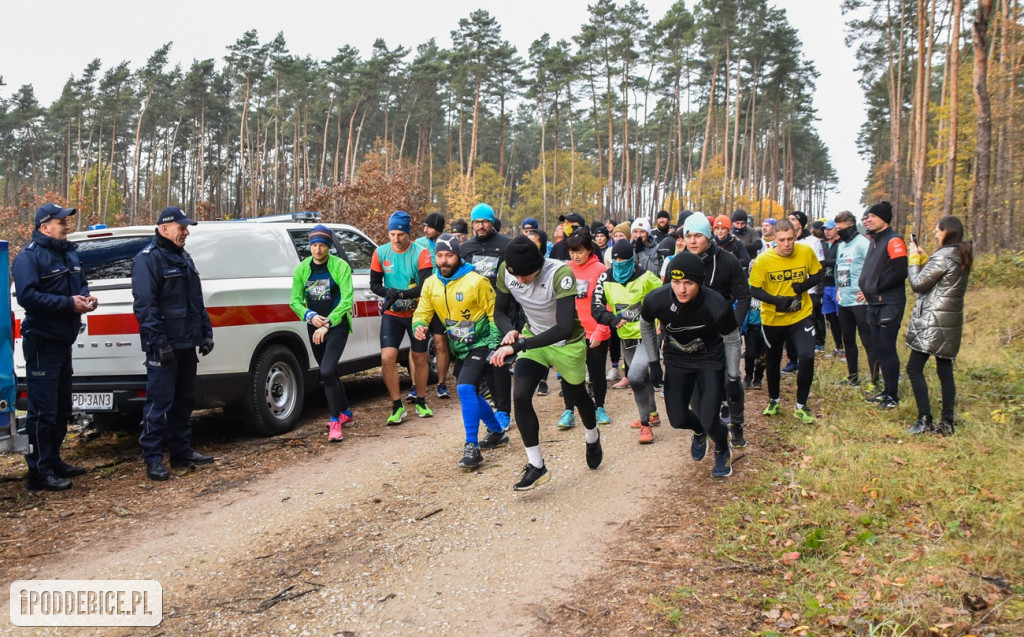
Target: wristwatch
(519, 345)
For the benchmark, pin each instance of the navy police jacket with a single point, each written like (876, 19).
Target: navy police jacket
(47, 274)
(168, 298)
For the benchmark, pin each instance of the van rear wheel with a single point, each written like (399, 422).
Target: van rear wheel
(275, 398)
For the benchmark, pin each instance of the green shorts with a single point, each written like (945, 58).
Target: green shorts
(569, 360)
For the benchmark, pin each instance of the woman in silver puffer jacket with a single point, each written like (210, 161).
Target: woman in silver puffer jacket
(937, 321)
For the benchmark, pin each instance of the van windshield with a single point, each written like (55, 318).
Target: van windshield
(110, 258)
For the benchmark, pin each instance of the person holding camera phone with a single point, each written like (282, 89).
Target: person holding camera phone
(173, 322)
(780, 278)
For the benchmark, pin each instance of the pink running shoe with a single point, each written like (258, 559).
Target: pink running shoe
(336, 435)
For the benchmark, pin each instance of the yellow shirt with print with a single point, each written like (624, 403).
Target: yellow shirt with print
(776, 276)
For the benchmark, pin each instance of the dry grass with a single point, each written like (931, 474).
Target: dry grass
(860, 528)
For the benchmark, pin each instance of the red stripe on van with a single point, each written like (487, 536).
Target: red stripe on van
(250, 315)
(226, 316)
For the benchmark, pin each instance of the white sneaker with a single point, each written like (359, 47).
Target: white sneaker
(613, 374)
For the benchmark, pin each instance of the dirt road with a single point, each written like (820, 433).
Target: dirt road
(380, 534)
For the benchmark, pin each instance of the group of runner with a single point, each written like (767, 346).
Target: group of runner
(673, 305)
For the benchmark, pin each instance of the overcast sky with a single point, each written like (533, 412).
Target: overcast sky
(46, 42)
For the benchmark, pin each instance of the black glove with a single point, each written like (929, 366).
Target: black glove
(787, 303)
(656, 378)
(392, 294)
(801, 287)
(638, 245)
(166, 354)
(206, 346)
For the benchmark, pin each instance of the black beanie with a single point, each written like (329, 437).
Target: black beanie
(739, 215)
(522, 257)
(622, 250)
(801, 217)
(663, 214)
(448, 243)
(882, 210)
(683, 216)
(686, 265)
(435, 220)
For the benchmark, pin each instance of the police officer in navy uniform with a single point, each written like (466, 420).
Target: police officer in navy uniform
(50, 286)
(172, 323)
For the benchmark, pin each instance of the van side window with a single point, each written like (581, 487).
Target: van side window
(110, 258)
(358, 248)
(300, 238)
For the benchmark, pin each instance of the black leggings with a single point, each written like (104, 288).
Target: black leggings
(854, 320)
(679, 388)
(754, 353)
(944, 368)
(595, 367)
(615, 347)
(885, 327)
(528, 376)
(328, 354)
(800, 337)
(836, 328)
(819, 320)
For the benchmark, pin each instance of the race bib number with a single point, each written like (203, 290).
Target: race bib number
(486, 266)
(629, 312)
(461, 331)
(843, 278)
(581, 288)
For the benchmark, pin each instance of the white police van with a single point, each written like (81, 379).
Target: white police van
(262, 362)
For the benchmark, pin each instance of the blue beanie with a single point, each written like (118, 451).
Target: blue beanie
(320, 234)
(482, 212)
(400, 221)
(697, 223)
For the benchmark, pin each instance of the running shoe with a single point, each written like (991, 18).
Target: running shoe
(442, 391)
(791, 367)
(723, 464)
(594, 453)
(622, 384)
(636, 424)
(532, 477)
(746, 383)
(336, 434)
(503, 419)
(736, 433)
(542, 389)
(655, 419)
(471, 456)
(757, 384)
(772, 409)
(397, 416)
(422, 410)
(804, 415)
(411, 396)
(819, 349)
(568, 420)
(877, 398)
(923, 425)
(945, 428)
(646, 435)
(602, 417)
(699, 447)
(888, 402)
(613, 374)
(494, 439)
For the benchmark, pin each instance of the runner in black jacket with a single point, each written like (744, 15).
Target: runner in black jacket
(724, 274)
(693, 319)
(882, 286)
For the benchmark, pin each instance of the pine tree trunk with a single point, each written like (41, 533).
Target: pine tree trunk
(954, 108)
(983, 109)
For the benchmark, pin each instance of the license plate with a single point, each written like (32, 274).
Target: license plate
(92, 401)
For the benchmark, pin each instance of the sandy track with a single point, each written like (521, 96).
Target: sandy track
(384, 534)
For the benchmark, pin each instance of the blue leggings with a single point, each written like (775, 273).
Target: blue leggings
(470, 371)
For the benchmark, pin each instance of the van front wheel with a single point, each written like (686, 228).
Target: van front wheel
(274, 402)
